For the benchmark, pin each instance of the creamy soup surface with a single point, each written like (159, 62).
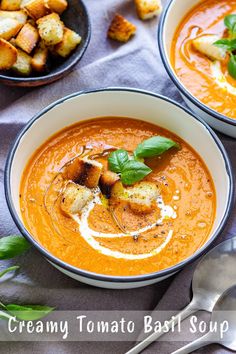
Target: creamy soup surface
(209, 81)
(177, 226)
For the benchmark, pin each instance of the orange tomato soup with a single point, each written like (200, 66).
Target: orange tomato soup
(193, 68)
(183, 181)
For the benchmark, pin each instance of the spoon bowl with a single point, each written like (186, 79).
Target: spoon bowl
(214, 274)
(223, 311)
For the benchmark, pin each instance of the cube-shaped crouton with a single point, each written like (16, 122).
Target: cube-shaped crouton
(10, 5)
(9, 28)
(8, 55)
(51, 29)
(22, 65)
(39, 60)
(142, 197)
(36, 9)
(69, 42)
(57, 6)
(74, 198)
(83, 171)
(120, 29)
(27, 38)
(109, 183)
(147, 9)
(19, 16)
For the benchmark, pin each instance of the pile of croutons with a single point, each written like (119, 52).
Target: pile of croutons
(31, 32)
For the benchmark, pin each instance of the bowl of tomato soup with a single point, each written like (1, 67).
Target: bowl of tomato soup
(195, 41)
(119, 195)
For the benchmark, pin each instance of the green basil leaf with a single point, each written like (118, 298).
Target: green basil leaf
(28, 312)
(154, 146)
(227, 44)
(10, 269)
(230, 23)
(117, 159)
(134, 171)
(12, 246)
(232, 66)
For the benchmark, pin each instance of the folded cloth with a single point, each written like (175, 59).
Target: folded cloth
(106, 63)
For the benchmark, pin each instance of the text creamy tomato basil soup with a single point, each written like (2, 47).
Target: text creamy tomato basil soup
(203, 54)
(118, 196)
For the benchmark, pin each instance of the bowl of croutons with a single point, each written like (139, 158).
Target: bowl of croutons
(41, 40)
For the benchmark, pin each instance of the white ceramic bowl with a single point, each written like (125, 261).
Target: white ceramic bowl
(170, 19)
(123, 103)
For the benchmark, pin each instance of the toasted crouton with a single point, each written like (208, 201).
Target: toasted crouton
(9, 28)
(39, 60)
(147, 9)
(142, 197)
(120, 29)
(57, 6)
(74, 198)
(19, 16)
(8, 55)
(51, 29)
(69, 42)
(36, 9)
(22, 65)
(204, 45)
(110, 184)
(27, 38)
(10, 5)
(83, 171)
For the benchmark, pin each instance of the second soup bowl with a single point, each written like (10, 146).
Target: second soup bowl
(171, 18)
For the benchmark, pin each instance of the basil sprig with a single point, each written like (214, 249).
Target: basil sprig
(12, 246)
(230, 23)
(132, 169)
(227, 44)
(232, 66)
(27, 312)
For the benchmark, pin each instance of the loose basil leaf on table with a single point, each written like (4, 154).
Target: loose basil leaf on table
(117, 159)
(28, 312)
(12, 246)
(7, 270)
(134, 171)
(232, 66)
(230, 23)
(227, 44)
(154, 146)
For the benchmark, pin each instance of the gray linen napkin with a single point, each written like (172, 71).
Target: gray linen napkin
(135, 64)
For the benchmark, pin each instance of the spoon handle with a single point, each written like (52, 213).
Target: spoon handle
(190, 309)
(198, 343)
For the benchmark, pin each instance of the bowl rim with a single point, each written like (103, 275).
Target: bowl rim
(175, 79)
(102, 277)
(68, 68)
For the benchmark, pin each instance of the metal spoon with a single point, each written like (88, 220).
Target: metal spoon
(214, 274)
(224, 310)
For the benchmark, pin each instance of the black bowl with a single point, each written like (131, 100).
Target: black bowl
(76, 18)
